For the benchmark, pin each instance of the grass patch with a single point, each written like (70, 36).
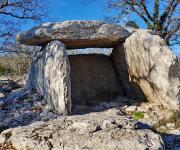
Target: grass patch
(137, 115)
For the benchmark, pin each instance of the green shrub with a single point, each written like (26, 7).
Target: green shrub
(138, 115)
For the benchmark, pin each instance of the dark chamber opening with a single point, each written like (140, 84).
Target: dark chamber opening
(93, 79)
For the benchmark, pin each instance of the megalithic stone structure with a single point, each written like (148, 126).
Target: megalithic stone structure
(140, 65)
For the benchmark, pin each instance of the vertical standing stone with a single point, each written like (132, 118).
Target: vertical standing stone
(130, 89)
(39, 71)
(31, 78)
(36, 73)
(57, 83)
(150, 62)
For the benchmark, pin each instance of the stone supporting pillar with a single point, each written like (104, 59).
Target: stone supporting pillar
(52, 77)
(57, 82)
(36, 73)
(150, 62)
(130, 89)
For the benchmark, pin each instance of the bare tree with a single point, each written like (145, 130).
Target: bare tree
(18, 61)
(161, 16)
(13, 15)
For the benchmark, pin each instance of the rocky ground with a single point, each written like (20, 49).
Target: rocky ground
(21, 107)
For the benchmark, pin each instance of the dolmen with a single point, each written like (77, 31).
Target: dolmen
(139, 67)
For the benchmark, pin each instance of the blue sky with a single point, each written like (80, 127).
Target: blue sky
(76, 10)
(61, 10)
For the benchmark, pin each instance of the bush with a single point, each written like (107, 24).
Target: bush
(138, 115)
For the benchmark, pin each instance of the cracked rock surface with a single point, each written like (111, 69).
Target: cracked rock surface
(110, 126)
(101, 130)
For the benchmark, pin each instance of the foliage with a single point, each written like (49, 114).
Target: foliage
(138, 115)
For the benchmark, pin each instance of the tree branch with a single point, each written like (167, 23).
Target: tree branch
(170, 8)
(145, 11)
(156, 14)
(141, 16)
(172, 31)
(18, 16)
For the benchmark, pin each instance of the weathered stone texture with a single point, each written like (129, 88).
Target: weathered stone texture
(104, 131)
(57, 82)
(36, 72)
(50, 74)
(93, 79)
(31, 77)
(130, 89)
(39, 71)
(149, 61)
(75, 34)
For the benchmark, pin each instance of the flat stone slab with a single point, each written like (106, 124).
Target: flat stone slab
(75, 34)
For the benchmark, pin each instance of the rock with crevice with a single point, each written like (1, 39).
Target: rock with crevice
(102, 130)
(130, 89)
(149, 62)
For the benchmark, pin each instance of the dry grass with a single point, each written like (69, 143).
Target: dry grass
(14, 65)
(175, 119)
